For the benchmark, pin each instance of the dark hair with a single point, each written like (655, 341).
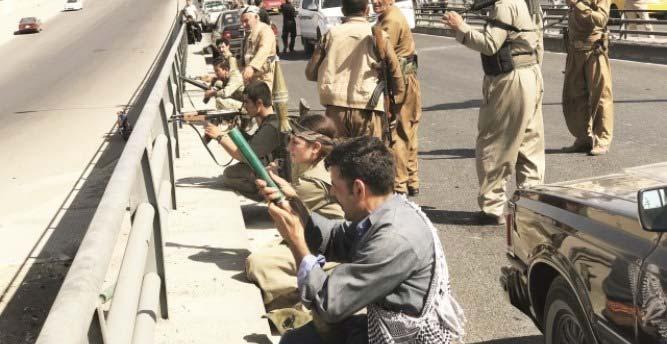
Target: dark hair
(258, 90)
(367, 159)
(321, 125)
(221, 41)
(222, 64)
(354, 7)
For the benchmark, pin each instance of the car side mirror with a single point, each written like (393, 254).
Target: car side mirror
(312, 6)
(653, 208)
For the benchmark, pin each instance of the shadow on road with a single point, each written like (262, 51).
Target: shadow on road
(456, 153)
(465, 153)
(450, 217)
(518, 340)
(230, 259)
(42, 273)
(468, 104)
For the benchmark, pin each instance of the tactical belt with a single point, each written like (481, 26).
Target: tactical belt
(503, 61)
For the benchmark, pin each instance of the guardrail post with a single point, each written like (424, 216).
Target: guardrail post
(159, 220)
(170, 156)
(174, 124)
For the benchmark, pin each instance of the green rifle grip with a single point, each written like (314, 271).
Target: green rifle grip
(253, 160)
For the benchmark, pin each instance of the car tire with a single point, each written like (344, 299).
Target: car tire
(564, 320)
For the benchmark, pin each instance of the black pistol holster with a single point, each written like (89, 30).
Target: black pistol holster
(501, 62)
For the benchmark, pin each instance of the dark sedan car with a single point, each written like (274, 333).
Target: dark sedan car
(229, 26)
(30, 24)
(589, 257)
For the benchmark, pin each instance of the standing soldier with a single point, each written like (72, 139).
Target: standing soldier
(588, 103)
(259, 48)
(510, 129)
(346, 67)
(404, 134)
(289, 24)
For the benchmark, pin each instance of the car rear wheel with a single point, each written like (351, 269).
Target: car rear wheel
(564, 321)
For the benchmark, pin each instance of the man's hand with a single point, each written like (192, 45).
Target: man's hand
(212, 130)
(290, 228)
(248, 73)
(453, 20)
(270, 193)
(210, 93)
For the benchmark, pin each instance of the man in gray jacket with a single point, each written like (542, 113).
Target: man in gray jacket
(391, 259)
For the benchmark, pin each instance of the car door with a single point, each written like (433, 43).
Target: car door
(307, 18)
(651, 296)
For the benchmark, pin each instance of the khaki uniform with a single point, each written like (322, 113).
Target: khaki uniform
(273, 267)
(510, 128)
(230, 93)
(404, 135)
(259, 52)
(344, 66)
(588, 103)
(267, 144)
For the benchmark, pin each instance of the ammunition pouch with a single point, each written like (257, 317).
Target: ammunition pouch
(409, 65)
(503, 60)
(499, 63)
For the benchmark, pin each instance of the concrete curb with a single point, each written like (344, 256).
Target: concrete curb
(640, 52)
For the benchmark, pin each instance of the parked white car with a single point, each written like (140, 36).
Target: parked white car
(211, 9)
(73, 5)
(316, 17)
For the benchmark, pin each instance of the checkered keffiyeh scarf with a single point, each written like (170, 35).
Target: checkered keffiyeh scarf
(441, 320)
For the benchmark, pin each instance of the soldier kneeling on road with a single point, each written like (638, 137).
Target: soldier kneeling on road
(272, 267)
(227, 85)
(266, 141)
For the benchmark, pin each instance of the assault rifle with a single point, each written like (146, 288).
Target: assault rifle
(198, 84)
(215, 117)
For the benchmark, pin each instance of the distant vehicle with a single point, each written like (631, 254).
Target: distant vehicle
(30, 24)
(272, 6)
(589, 257)
(210, 11)
(315, 18)
(73, 5)
(229, 26)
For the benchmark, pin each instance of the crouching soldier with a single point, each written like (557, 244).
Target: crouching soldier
(266, 141)
(228, 82)
(392, 262)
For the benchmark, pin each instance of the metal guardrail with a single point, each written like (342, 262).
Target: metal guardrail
(142, 185)
(429, 15)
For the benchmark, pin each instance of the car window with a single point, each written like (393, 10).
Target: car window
(72, 1)
(331, 3)
(214, 6)
(306, 4)
(28, 20)
(230, 19)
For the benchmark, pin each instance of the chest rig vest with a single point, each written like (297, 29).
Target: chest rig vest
(502, 61)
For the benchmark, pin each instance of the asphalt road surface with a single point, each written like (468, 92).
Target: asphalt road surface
(59, 92)
(451, 79)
